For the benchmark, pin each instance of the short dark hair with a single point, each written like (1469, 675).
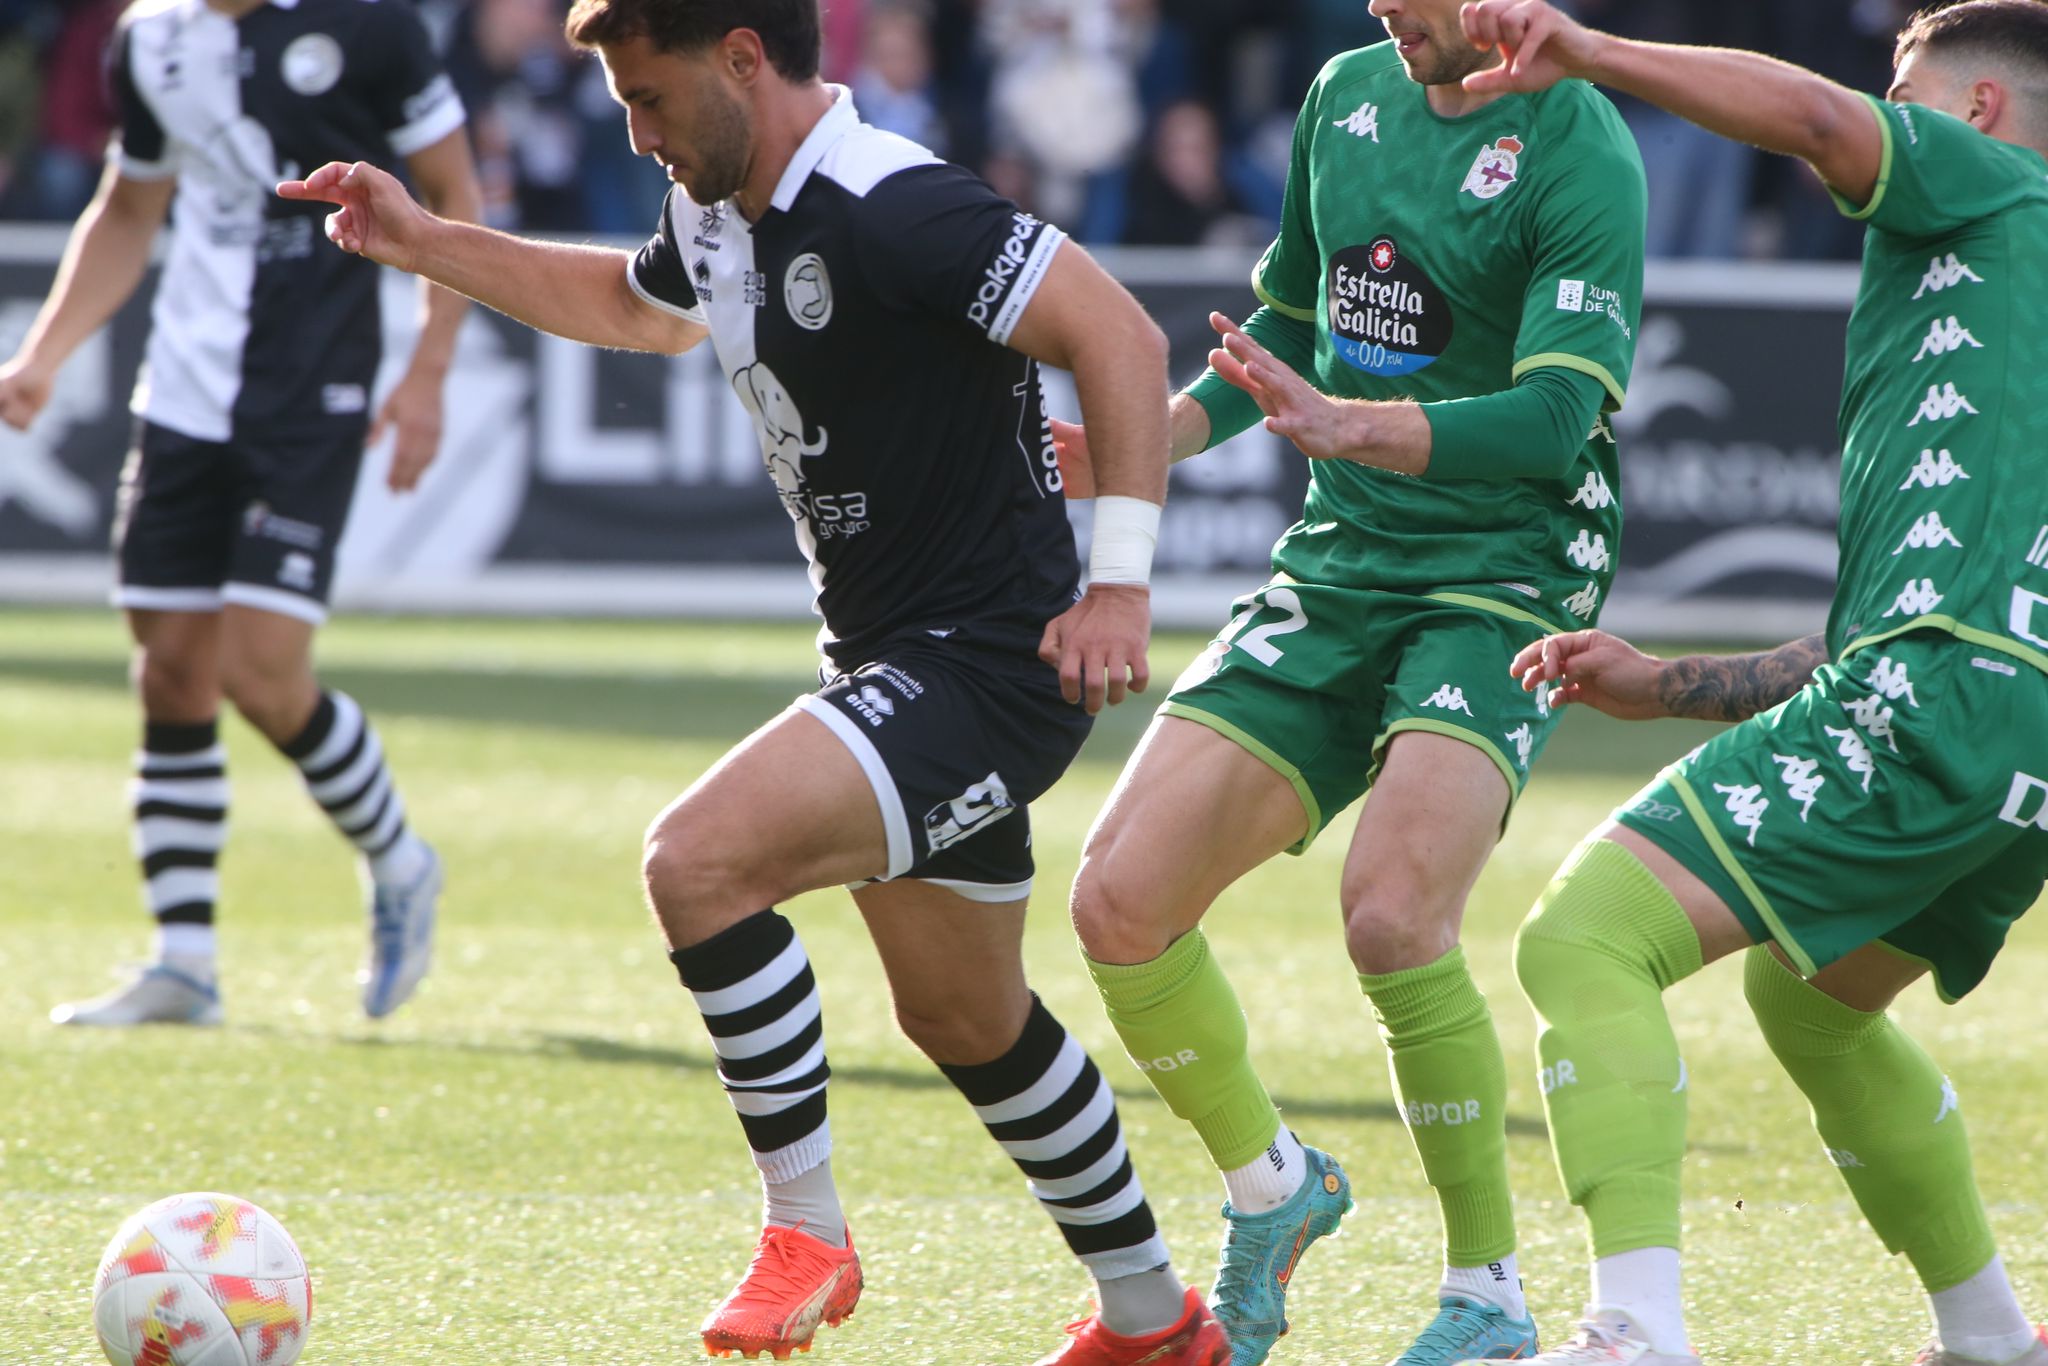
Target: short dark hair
(788, 29)
(2014, 32)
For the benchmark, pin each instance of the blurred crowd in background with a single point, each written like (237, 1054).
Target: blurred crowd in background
(1147, 122)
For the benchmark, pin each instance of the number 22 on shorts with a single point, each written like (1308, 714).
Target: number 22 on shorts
(1258, 643)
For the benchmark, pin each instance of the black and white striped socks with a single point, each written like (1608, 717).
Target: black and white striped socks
(342, 760)
(1049, 1108)
(181, 820)
(754, 988)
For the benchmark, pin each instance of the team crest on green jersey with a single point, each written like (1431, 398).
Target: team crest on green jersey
(1493, 170)
(1387, 316)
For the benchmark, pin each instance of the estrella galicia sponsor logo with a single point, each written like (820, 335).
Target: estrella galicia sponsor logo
(1387, 316)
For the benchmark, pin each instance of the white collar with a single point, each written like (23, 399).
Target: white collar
(833, 125)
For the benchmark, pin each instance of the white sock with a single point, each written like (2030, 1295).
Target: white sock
(810, 1199)
(1982, 1318)
(1141, 1304)
(1644, 1285)
(191, 945)
(404, 861)
(1269, 1180)
(1496, 1283)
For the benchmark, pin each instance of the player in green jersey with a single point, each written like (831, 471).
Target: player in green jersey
(1449, 311)
(1881, 810)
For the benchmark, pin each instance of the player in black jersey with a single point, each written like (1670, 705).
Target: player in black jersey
(881, 316)
(251, 416)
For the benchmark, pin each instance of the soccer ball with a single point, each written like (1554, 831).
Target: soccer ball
(202, 1280)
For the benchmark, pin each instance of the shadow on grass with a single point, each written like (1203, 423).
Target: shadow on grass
(687, 706)
(597, 1049)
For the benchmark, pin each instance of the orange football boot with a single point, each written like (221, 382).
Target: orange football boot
(794, 1283)
(1197, 1340)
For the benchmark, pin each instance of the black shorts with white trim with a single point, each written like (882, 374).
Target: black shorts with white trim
(956, 740)
(253, 522)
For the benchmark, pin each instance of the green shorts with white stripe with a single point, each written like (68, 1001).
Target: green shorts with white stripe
(1316, 680)
(1901, 797)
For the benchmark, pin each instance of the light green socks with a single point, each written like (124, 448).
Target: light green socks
(1182, 1025)
(1887, 1116)
(1451, 1082)
(1594, 957)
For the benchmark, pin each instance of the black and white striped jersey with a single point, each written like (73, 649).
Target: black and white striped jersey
(259, 325)
(862, 322)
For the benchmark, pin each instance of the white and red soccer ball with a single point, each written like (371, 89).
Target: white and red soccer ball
(202, 1280)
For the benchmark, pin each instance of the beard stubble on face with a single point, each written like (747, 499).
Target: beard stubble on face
(1449, 59)
(723, 139)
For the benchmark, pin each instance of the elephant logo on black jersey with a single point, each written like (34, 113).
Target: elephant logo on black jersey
(784, 447)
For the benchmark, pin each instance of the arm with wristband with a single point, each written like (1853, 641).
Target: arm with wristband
(1083, 321)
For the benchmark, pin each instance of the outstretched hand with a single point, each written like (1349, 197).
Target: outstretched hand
(1539, 44)
(377, 218)
(1294, 408)
(1099, 641)
(1596, 669)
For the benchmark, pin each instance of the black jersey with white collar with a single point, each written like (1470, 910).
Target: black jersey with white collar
(259, 325)
(862, 323)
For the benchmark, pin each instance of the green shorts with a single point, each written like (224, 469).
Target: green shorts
(1315, 680)
(1901, 796)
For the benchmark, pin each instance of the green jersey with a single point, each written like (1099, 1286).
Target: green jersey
(1445, 258)
(1945, 406)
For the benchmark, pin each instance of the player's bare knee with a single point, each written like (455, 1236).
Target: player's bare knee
(1394, 922)
(174, 684)
(956, 1033)
(1119, 914)
(698, 881)
(271, 699)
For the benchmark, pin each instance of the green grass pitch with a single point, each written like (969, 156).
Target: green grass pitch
(533, 1163)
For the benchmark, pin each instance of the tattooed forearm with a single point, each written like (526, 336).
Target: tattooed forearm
(1737, 687)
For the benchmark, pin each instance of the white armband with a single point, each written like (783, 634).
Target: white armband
(1126, 530)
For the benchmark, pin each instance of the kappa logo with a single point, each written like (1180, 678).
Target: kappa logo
(1801, 781)
(1943, 336)
(1603, 430)
(1448, 698)
(1362, 122)
(1929, 533)
(1589, 551)
(1594, 493)
(1855, 753)
(1494, 169)
(1942, 403)
(1888, 678)
(1524, 741)
(1934, 471)
(952, 821)
(1874, 717)
(1584, 603)
(1746, 806)
(1916, 599)
(1945, 273)
(1950, 1102)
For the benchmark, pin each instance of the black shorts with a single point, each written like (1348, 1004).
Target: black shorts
(956, 741)
(252, 522)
